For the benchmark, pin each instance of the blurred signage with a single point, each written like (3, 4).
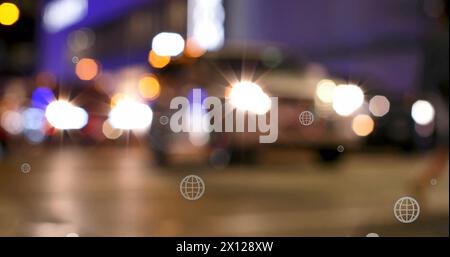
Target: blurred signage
(60, 14)
(205, 23)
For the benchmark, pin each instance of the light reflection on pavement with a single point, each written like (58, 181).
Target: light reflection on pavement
(106, 191)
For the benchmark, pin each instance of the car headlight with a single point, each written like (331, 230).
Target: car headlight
(347, 99)
(64, 115)
(248, 96)
(129, 114)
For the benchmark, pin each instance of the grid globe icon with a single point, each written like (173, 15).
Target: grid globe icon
(306, 118)
(192, 187)
(406, 209)
(25, 167)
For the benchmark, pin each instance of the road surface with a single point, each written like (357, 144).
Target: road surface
(118, 191)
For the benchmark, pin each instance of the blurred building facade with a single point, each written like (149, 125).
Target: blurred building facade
(116, 33)
(380, 43)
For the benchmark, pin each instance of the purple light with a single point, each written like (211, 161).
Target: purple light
(41, 97)
(203, 95)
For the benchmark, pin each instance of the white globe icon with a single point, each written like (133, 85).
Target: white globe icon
(25, 167)
(306, 118)
(163, 120)
(406, 209)
(192, 187)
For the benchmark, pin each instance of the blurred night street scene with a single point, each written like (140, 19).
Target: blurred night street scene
(224, 118)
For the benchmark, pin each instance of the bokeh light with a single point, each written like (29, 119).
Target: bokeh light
(157, 61)
(271, 57)
(11, 122)
(86, 69)
(33, 118)
(206, 23)
(80, 40)
(248, 96)
(199, 138)
(34, 136)
(379, 105)
(422, 112)
(117, 98)
(149, 87)
(325, 90)
(193, 48)
(63, 13)
(9, 14)
(347, 99)
(64, 115)
(130, 114)
(363, 125)
(168, 44)
(110, 132)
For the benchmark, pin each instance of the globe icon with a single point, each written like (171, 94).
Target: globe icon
(25, 167)
(306, 118)
(406, 209)
(192, 187)
(163, 120)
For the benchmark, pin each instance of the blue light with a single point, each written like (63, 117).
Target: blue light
(41, 97)
(203, 95)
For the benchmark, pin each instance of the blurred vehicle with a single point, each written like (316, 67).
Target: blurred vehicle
(84, 120)
(293, 83)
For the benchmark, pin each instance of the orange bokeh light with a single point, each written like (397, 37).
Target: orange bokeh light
(157, 61)
(117, 98)
(227, 91)
(363, 125)
(149, 87)
(86, 69)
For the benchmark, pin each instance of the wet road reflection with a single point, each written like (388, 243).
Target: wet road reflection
(106, 191)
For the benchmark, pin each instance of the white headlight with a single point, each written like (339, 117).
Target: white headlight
(63, 115)
(347, 99)
(130, 114)
(248, 96)
(422, 112)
